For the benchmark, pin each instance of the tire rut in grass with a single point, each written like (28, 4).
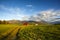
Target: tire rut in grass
(13, 35)
(17, 35)
(6, 34)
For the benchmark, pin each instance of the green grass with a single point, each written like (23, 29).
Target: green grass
(32, 32)
(6, 27)
(43, 32)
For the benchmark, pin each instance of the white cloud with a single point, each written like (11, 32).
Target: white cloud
(50, 15)
(47, 15)
(25, 18)
(12, 13)
(18, 13)
(28, 5)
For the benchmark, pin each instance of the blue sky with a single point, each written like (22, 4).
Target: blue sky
(23, 9)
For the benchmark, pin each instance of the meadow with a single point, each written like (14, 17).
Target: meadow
(29, 32)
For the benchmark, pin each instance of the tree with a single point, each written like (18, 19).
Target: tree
(4, 22)
(0, 22)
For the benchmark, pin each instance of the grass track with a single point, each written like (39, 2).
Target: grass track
(4, 35)
(13, 34)
(32, 32)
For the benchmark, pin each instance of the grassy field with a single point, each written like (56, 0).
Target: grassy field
(29, 32)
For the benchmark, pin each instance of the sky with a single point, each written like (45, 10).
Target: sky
(26, 9)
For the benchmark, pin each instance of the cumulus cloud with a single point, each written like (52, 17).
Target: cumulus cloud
(18, 13)
(25, 18)
(47, 15)
(12, 13)
(50, 15)
(35, 18)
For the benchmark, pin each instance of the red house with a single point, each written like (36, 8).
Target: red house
(25, 23)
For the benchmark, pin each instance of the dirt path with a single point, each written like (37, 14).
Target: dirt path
(12, 35)
(5, 34)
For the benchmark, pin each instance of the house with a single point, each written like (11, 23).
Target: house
(25, 23)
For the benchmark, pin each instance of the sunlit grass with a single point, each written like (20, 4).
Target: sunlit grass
(40, 32)
(34, 32)
(6, 27)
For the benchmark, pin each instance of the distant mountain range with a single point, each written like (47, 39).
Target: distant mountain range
(55, 22)
(30, 21)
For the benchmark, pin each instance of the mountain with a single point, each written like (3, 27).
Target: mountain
(21, 22)
(55, 22)
(14, 21)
